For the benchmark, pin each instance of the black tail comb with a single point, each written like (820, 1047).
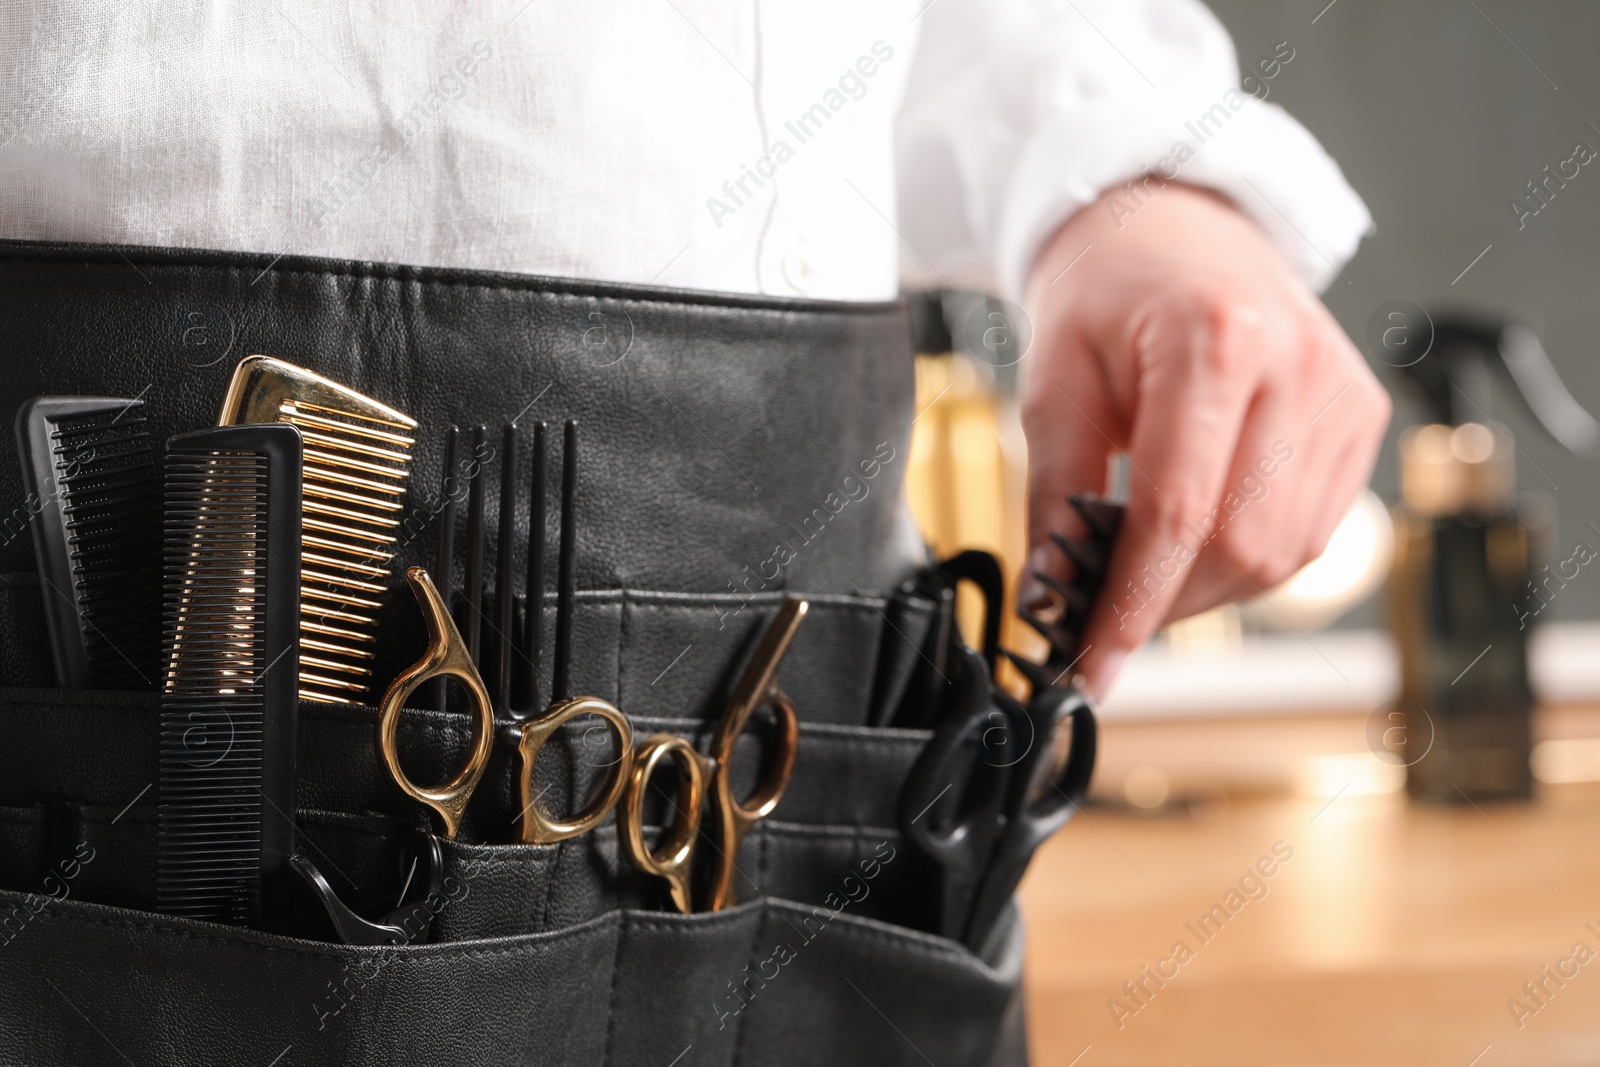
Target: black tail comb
(90, 473)
(228, 692)
(1075, 597)
(507, 654)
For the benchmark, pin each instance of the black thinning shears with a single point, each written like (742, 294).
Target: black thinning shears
(991, 786)
(988, 790)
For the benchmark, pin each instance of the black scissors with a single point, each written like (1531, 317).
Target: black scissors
(400, 922)
(997, 756)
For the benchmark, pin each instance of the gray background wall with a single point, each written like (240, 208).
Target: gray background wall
(1437, 121)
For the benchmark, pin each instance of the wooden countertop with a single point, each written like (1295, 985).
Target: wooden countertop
(1396, 934)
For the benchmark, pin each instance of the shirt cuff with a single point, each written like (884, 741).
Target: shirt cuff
(1248, 150)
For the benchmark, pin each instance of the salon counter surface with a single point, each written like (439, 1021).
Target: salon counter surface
(1314, 925)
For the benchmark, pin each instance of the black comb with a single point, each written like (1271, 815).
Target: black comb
(473, 620)
(514, 663)
(444, 550)
(566, 575)
(532, 633)
(1074, 598)
(229, 687)
(89, 470)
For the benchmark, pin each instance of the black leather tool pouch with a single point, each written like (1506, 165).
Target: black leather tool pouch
(539, 954)
(743, 449)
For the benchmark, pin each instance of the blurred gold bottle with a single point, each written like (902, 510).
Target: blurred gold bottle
(1461, 566)
(967, 478)
(1462, 598)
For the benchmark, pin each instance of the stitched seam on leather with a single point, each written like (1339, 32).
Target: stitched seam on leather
(622, 650)
(550, 883)
(821, 831)
(421, 719)
(900, 941)
(611, 1009)
(24, 814)
(445, 951)
(698, 922)
(750, 954)
(448, 950)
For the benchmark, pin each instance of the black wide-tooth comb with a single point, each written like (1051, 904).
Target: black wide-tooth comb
(229, 684)
(1075, 597)
(89, 470)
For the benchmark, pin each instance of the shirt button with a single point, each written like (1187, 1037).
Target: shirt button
(798, 271)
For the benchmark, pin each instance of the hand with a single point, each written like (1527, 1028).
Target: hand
(1249, 421)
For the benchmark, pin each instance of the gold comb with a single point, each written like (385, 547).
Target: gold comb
(357, 460)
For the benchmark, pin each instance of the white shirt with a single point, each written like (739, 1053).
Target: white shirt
(833, 148)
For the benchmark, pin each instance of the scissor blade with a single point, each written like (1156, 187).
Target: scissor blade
(757, 677)
(1038, 803)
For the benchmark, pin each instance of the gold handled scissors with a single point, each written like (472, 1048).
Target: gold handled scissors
(673, 856)
(448, 656)
(529, 732)
(538, 826)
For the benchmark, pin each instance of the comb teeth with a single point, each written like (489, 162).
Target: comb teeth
(1076, 596)
(355, 474)
(90, 463)
(227, 722)
(357, 461)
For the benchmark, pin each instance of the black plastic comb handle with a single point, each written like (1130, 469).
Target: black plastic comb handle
(89, 471)
(230, 689)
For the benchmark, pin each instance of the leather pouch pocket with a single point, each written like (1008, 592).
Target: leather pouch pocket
(92, 984)
(507, 890)
(766, 983)
(116, 849)
(853, 990)
(24, 845)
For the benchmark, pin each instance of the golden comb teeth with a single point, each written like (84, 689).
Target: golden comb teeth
(357, 460)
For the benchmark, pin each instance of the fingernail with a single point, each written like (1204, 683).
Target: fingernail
(1102, 672)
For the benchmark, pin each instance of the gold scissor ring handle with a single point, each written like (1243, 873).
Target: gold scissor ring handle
(673, 853)
(757, 688)
(735, 818)
(538, 828)
(446, 656)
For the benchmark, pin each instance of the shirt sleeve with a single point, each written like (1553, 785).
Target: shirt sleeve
(1019, 112)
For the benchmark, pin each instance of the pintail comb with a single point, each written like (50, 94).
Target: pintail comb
(357, 460)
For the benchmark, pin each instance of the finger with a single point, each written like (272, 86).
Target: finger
(1253, 529)
(1072, 429)
(1313, 468)
(1195, 383)
(1358, 454)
